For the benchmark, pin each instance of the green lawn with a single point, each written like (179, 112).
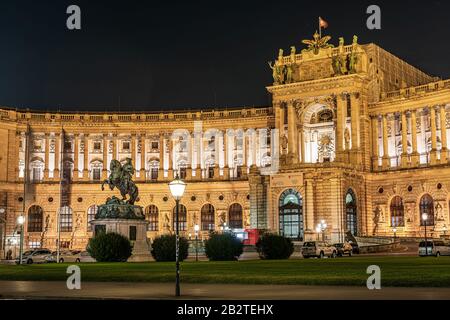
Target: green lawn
(395, 271)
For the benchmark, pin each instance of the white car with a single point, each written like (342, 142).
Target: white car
(86, 257)
(34, 256)
(434, 248)
(64, 256)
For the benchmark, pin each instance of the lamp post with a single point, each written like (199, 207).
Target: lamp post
(395, 233)
(322, 226)
(318, 231)
(177, 188)
(445, 231)
(425, 218)
(196, 229)
(20, 222)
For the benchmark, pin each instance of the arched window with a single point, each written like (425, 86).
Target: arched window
(291, 214)
(35, 219)
(182, 217)
(235, 216)
(207, 217)
(397, 212)
(152, 215)
(92, 211)
(426, 207)
(351, 213)
(65, 219)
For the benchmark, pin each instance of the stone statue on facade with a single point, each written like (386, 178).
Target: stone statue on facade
(277, 73)
(317, 43)
(289, 73)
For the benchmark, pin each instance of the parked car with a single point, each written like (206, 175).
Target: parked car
(355, 247)
(434, 248)
(343, 249)
(34, 256)
(319, 249)
(64, 256)
(86, 257)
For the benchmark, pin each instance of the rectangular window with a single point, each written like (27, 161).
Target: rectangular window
(34, 245)
(154, 174)
(65, 245)
(239, 172)
(183, 173)
(36, 174)
(126, 145)
(155, 145)
(211, 172)
(97, 146)
(133, 232)
(96, 174)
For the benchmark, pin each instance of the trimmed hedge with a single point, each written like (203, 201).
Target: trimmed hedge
(109, 247)
(273, 246)
(223, 247)
(163, 248)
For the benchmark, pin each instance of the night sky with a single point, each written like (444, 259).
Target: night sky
(140, 55)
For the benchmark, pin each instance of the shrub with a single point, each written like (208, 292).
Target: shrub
(163, 248)
(223, 247)
(273, 246)
(109, 247)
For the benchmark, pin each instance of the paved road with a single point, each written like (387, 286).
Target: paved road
(109, 290)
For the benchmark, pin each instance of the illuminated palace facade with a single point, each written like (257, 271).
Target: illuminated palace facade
(355, 137)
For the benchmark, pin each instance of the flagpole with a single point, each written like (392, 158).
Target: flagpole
(320, 29)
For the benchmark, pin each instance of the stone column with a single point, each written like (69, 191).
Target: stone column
(161, 157)
(404, 140)
(386, 159)
(56, 172)
(133, 152)
(198, 169)
(433, 135)
(309, 221)
(86, 158)
(244, 156)
(301, 153)
(340, 125)
(255, 145)
(375, 150)
(354, 101)
(76, 155)
(105, 157)
(415, 154)
(47, 156)
(226, 162)
(142, 171)
(114, 148)
(291, 132)
(443, 118)
(171, 164)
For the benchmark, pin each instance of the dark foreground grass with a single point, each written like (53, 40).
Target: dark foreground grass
(395, 272)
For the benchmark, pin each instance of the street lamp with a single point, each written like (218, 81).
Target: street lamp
(425, 218)
(196, 229)
(177, 188)
(445, 230)
(395, 233)
(318, 230)
(20, 222)
(322, 226)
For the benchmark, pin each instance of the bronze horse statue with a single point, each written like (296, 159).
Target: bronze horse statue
(120, 178)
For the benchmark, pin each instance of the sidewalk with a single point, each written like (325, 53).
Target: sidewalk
(125, 290)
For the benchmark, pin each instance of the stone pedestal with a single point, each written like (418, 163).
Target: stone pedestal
(128, 228)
